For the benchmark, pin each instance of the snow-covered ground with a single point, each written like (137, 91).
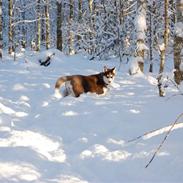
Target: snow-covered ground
(85, 139)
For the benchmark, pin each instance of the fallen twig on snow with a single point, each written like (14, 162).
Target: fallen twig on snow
(152, 133)
(164, 139)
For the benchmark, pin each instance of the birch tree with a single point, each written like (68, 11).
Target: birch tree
(90, 5)
(10, 31)
(24, 31)
(91, 33)
(152, 11)
(162, 49)
(38, 36)
(178, 43)
(141, 28)
(71, 37)
(47, 16)
(166, 35)
(80, 14)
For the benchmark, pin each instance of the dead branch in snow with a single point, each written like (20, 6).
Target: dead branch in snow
(152, 133)
(164, 139)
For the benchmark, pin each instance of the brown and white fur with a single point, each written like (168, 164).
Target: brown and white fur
(75, 85)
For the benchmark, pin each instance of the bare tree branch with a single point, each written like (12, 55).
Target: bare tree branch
(161, 144)
(155, 132)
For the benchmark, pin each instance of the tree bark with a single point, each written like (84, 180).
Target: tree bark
(163, 49)
(47, 16)
(38, 41)
(59, 26)
(1, 38)
(140, 30)
(10, 31)
(80, 2)
(166, 36)
(178, 44)
(80, 14)
(71, 49)
(152, 11)
(90, 4)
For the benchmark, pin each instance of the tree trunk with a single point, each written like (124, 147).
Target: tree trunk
(152, 11)
(80, 10)
(121, 14)
(47, 16)
(178, 44)
(1, 38)
(163, 49)
(38, 41)
(119, 19)
(71, 37)
(141, 31)
(80, 14)
(10, 31)
(173, 8)
(23, 28)
(91, 49)
(166, 36)
(90, 4)
(59, 26)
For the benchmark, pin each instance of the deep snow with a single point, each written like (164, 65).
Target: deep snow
(85, 139)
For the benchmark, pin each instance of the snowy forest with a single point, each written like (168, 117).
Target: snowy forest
(99, 28)
(133, 133)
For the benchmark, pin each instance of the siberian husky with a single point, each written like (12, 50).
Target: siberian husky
(75, 85)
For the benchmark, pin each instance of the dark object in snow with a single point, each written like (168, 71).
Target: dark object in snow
(47, 61)
(162, 84)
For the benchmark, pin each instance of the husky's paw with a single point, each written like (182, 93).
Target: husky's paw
(115, 85)
(57, 95)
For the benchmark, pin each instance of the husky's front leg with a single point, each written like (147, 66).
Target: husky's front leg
(105, 90)
(57, 94)
(69, 89)
(65, 92)
(102, 91)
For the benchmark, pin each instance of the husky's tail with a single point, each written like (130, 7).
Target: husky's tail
(59, 83)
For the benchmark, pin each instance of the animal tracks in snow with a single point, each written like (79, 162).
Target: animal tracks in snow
(104, 153)
(121, 154)
(7, 110)
(44, 146)
(24, 172)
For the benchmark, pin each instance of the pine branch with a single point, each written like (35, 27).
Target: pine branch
(161, 144)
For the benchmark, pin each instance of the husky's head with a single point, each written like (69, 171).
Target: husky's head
(109, 75)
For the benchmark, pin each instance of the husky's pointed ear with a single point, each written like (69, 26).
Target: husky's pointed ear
(105, 69)
(114, 70)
